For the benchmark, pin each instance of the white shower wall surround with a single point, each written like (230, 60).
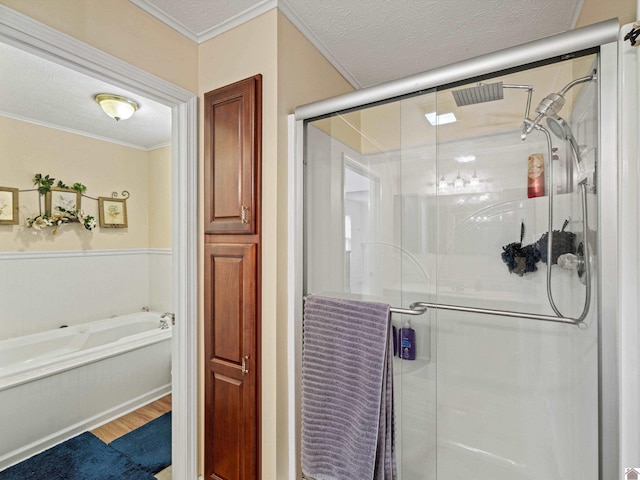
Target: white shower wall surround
(508, 398)
(41, 291)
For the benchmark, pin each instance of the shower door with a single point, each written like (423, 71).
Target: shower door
(416, 200)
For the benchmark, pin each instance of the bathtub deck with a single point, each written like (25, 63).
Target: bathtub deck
(123, 425)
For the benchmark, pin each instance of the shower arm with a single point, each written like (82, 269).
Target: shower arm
(578, 81)
(585, 229)
(529, 89)
(529, 125)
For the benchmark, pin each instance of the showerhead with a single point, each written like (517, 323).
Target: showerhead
(481, 93)
(561, 129)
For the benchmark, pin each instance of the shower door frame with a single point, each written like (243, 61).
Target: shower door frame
(603, 35)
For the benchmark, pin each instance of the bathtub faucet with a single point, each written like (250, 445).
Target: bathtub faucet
(164, 324)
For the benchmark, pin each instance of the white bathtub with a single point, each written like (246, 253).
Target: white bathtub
(57, 384)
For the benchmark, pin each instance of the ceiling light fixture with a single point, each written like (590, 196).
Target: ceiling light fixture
(441, 119)
(117, 107)
(442, 184)
(475, 180)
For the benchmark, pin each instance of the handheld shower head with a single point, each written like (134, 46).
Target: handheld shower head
(561, 129)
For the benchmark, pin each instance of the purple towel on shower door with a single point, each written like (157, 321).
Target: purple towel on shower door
(347, 390)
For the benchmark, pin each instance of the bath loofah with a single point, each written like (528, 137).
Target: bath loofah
(563, 242)
(519, 259)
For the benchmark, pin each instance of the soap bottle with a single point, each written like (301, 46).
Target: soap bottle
(407, 342)
(535, 172)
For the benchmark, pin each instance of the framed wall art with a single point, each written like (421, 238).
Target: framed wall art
(62, 202)
(112, 212)
(8, 206)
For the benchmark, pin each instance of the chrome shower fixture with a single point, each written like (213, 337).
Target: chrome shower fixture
(561, 129)
(487, 92)
(551, 105)
(481, 93)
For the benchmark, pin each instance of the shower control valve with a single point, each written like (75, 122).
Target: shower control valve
(164, 324)
(570, 261)
(577, 262)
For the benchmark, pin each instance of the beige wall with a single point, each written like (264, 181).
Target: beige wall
(304, 76)
(293, 73)
(594, 11)
(235, 55)
(159, 181)
(104, 167)
(123, 30)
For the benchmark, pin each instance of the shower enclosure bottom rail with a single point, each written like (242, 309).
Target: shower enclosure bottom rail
(418, 308)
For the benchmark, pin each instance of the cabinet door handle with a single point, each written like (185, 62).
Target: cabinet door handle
(245, 370)
(245, 214)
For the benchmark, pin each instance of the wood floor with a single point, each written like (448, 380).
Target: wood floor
(120, 426)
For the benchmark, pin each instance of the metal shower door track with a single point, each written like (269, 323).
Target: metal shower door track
(538, 50)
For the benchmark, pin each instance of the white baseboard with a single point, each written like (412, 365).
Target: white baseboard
(34, 448)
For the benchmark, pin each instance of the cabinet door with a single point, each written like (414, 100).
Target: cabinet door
(232, 143)
(231, 364)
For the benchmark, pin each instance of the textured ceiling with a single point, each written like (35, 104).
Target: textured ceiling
(43, 92)
(369, 42)
(373, 41)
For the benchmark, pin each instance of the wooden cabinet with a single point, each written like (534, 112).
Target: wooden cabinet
(230, 349)
(232, 281)
(232, 146)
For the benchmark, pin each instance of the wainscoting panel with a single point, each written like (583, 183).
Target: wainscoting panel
(44, 290)
(160, 292)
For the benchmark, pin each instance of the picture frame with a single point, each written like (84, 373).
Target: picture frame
(112, 212)
(8, 206)
(61, 198)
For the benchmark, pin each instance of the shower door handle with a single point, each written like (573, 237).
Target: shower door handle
(245, 370)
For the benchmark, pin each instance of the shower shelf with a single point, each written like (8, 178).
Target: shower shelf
(418, 308)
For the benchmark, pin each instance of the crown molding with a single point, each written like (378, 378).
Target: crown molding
(237, 20)
(79, 132)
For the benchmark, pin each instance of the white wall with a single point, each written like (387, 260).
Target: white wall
(629, 337)
(44, 290)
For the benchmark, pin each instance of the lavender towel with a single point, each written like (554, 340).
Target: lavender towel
(347, 391)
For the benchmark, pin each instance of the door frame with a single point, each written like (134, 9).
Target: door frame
(32, 36)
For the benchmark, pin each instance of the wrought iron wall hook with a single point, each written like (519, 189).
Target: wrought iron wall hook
(125, 194)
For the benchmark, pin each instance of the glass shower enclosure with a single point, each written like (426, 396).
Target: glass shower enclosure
(473, 208)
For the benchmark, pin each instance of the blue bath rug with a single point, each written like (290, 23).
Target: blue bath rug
(149, 446)
(84, 457)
